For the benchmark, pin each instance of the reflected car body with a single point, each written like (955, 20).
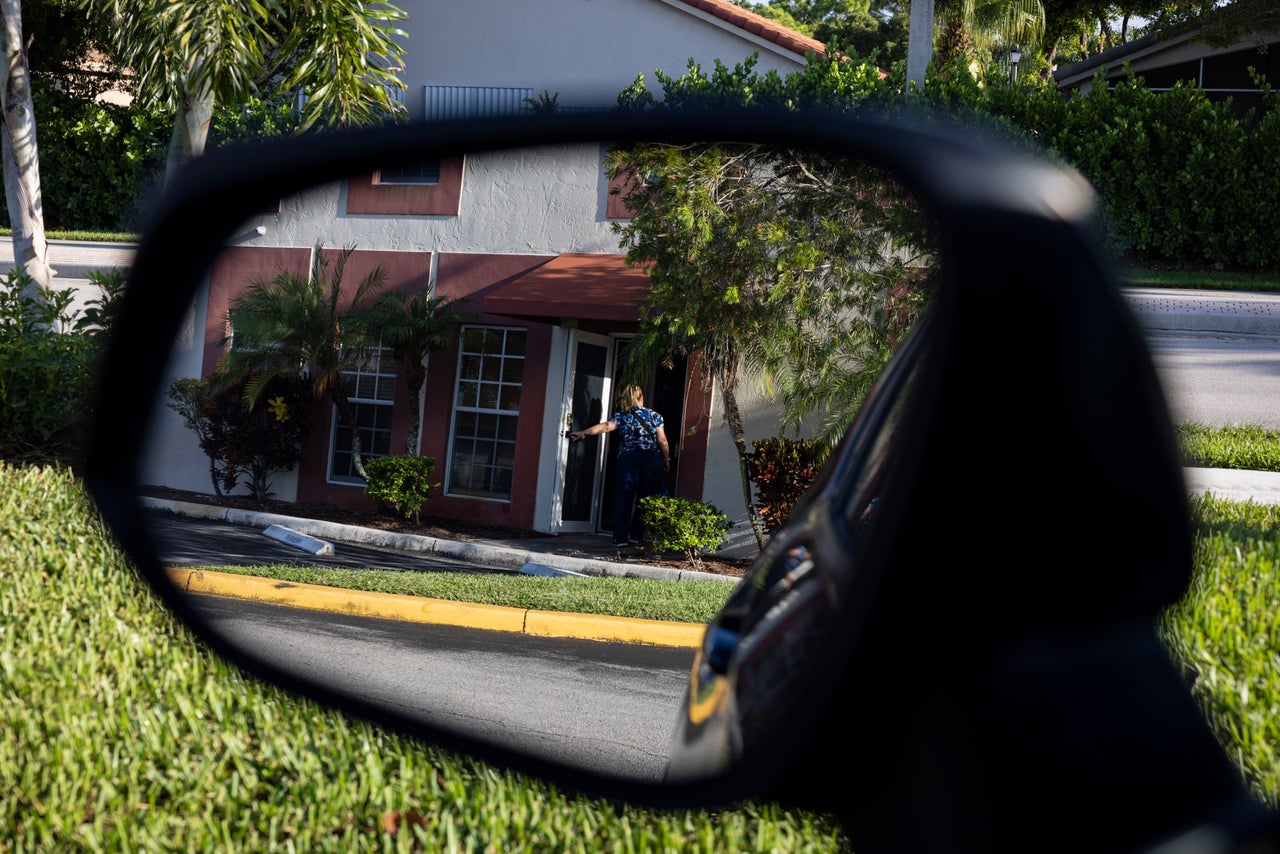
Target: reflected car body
(773, 637)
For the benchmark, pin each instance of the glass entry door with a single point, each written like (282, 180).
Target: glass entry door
(589, 391)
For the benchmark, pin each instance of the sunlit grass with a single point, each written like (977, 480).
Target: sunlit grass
(1228, 630)
(643, 598)
(122, 733)
(1245, 446)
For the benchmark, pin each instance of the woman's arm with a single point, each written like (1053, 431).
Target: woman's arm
(596, 429)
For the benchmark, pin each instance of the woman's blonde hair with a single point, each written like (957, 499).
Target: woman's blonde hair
(629, 395)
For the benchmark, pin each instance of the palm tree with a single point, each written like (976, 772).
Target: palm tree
(192, 55)
(965, 24)
(412, 328)
(293, 325)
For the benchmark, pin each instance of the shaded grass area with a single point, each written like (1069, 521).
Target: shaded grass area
(122, 733)
(1213, 280)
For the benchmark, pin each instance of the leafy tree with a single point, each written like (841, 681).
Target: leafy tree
(846, 22)
(795, 266)
(413, 327)
(1078, 28)
(968, 26)
(295, 325)
(876, 31)
(63, 44)
(190, 55)
(1221, 22)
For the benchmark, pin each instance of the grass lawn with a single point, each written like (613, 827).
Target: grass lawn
(1214, 280)
(122, 733)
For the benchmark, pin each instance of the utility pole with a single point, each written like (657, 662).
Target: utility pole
(919, 41)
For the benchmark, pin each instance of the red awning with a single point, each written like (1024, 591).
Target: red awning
(587, 287)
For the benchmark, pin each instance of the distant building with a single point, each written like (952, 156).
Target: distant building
(527, 239)
(1222, 72)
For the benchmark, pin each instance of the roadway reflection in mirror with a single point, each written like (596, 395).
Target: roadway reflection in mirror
(604, 707)
(444, 319)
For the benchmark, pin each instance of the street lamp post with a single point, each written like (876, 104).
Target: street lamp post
(1015, 56)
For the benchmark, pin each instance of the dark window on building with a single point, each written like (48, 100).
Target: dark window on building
(418, 174)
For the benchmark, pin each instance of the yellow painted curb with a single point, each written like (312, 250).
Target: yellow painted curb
(625, 629)
(390, 606)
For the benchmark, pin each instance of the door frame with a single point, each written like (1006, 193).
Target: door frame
(609, 343)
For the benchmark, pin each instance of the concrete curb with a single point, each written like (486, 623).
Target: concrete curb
(438, 611)
(1260, 487)
(1153, 321)
(471, 552)
(1205, 311)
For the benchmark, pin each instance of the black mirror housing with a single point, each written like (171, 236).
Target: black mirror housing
(1030, 520)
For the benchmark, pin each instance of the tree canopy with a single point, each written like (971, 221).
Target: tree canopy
(339, 57)
(802, 269)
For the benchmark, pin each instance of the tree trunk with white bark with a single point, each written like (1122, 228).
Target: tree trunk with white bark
(190, 131)
(20, 155)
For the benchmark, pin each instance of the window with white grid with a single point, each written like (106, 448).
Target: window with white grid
(482, 452)
(371, 387)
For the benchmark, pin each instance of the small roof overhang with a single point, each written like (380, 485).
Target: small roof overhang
(573, 285)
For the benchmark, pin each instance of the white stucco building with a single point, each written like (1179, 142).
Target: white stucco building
(526, 238)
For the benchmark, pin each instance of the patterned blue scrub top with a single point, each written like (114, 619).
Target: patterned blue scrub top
(634, 436)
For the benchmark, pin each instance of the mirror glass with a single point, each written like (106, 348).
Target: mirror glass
(372, 413)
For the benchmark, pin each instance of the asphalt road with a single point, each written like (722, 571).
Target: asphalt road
(605, 707)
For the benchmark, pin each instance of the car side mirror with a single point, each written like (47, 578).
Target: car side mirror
(1016, 404)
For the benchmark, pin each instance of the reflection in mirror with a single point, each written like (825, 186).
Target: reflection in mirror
(387, 367)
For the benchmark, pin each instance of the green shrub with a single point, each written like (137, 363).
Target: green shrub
(241, 441)
(1182, 178)
(45, 373)
(100, 311)
(681, 525)
(782, 471)
(100, 162)
(400, 483)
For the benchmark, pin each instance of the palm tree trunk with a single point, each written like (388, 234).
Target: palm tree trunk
(347, 416)
(415, 378)
(20, 154)
(190, 131)
(733, 418)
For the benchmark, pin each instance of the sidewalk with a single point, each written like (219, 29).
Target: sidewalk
(1224, 312)
(1260, 487)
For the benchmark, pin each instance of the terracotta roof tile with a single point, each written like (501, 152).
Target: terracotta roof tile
(760, 26)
